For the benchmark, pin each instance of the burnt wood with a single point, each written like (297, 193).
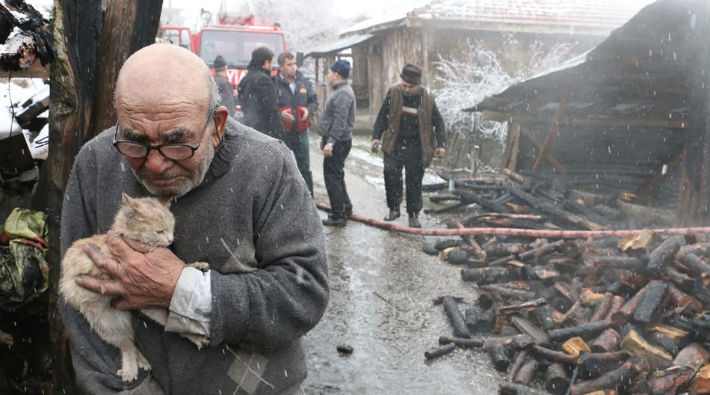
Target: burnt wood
(455, 318)
(556, 379)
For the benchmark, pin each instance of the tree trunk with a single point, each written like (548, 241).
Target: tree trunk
(75, 116)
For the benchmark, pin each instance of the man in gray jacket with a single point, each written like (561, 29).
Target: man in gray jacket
(336, 129)
(240, 205)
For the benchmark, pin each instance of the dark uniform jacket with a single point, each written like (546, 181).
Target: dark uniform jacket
(304, 96)
(226, 93)
(258, 101)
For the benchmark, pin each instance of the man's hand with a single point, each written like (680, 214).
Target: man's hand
(287, 116)
(440, 152)
(141, 277)
(375, 145)
(328, 150)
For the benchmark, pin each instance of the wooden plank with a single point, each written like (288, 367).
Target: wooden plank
(550, 158)
(551, 135)
(616, 122)
(659, 175)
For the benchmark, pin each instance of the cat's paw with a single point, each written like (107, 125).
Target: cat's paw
(142, 362)
(128, 372)
(204, 266)
(200, 341)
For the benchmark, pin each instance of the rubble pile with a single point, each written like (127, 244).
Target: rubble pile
(596, 316)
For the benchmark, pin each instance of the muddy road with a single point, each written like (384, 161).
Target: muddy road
(381, 287)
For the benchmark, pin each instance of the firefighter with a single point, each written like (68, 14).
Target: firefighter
(257, 98)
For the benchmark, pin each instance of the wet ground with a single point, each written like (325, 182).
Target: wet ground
(382, 286)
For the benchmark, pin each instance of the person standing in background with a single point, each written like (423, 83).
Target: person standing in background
(257, 98)
(298, 102)
(226, 90)
(336, 129)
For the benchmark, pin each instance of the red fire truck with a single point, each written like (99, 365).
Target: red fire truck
(232, 36)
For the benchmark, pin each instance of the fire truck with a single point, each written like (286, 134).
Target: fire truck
(234, 35)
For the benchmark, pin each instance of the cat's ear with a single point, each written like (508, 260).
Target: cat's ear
(127, 200)
(165, 201)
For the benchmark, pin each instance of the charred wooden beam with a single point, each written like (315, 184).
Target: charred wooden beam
(455, 318)
(489, 275)
(556, 379)
(651, 300)
(583, 330)
(439, 351)
(595, 363)
(519, 307)
(662, 255)
(539, 336)
(614, 379)
(461, 342)
(536, 253)
(526, 373)
(506, 291)
(517, 364)
(697, 265)
(555, 356)
(623, 315)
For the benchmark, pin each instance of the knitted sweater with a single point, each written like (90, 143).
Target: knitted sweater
(253, 207)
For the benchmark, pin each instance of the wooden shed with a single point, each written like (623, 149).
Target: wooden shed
(445, 29)
(630, 116)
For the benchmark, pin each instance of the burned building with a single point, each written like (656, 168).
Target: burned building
(629, 117)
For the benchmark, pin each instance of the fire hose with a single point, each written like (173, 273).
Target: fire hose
(561, 234)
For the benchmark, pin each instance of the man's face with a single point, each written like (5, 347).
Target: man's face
(333, 77)
(288, 69)
(179, 123)
(409, 89)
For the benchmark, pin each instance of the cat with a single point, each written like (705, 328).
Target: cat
(149, 221)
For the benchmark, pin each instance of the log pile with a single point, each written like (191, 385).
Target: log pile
(604, 316)
(535, 202)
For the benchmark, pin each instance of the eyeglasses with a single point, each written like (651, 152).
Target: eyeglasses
(174, 151)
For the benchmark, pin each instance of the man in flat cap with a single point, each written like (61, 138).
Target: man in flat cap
(410, 130)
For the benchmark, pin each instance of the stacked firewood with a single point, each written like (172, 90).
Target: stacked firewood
(604, 316)
(535, 202)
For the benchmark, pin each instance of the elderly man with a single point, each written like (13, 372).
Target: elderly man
(298, 102)
(336, 129)
(412, 131)
(239, 205)
(257, 97)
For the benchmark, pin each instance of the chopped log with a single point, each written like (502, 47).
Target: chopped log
(614, 379)
(700, 249)
(583, 330)
(693, 356)
(498, 248)
(489, 275)
(667, 337)
(701, 382)
(455, 318)
(539, 336)
(514, 176)
(566, 290)
(637, 345)
(575, 346)
(472, 197)
(595, 363)
(525, 306)
(518, 389)
(506, 291)
(440, 299)
(697, 265)
(621, 262)
(650, 302)
(555, 356)
(499, 354)
(622, 316)
(589, 297)
(536, 253)
(681, 280)
(608, 341)
(603, 308)
(570, 313)
(670, 380)
(461, 342)
(481, 320)
(617, 302)
(502, 261)
(556, 379)
(519, 361)
(439, 351)
(662, 255)
(518, 341)
(685, 302)
(526, 373)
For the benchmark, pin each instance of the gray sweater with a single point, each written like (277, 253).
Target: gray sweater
(253, 206)
(338, 118)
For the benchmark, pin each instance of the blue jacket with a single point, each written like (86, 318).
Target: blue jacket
(304, 95)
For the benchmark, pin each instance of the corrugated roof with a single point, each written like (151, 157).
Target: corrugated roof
(601, 15)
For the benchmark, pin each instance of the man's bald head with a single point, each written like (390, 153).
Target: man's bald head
(163, 74)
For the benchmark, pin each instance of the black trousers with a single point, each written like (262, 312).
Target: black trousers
(408, 158)
(334, 176)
